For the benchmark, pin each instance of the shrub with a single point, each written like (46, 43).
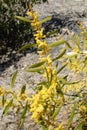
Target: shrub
(56, 91)
(13, 32)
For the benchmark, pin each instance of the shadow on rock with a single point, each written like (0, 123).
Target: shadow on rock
(68, 20)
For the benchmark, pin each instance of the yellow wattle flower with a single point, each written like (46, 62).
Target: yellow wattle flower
(60, 127)
(2, 90)
(42, 102)
(39, 34)
(36, 25)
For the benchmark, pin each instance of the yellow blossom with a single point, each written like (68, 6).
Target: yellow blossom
(2, 90)
(6, 103)
(36, 25)
(39, 34)
(83, 108)
(60, 127)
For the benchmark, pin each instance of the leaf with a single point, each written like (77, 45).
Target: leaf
(56, 65)
(57, 43)
(80, 126)
(61, 68)
(40, 85)
(23, 115)
(22, 122)
(24, 111)
(26, 46)
(78, 42)
(73, 38)
(37, 64)
(38, 70)
(85, 44)
(13, 79)
(66, 82)
(23, 89)
(43, 83)
(46, 19)
(51, 33)
(56, 112)
(43, 125)
(71, 117)
(47, 74)
(7, 107)
(3, 100)
(23, 18)
(50, 80)
(65, 77)
(60, 55)
(68, 44)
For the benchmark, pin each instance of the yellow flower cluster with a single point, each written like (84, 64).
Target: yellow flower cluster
(42, 45)
(75, 88)
(2, 90)
(23, 97)
(35, 22)
(60, 127)
(83, 108)
(44, 101)
(76, 65)
(84, 33)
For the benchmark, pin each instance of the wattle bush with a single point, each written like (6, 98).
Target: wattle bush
(13, 32)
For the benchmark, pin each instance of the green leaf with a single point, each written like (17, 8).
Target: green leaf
(78, 42)
(22, 122)
(61, 68)
(47, 74)
(23, 89)
(23, 115)
(73, 38)
(7, 107)
(38, 70)
(40, 85)
(50, 80)
(27, 46)
(65, 77)
(13, 79)
(57, 43)
(23, 18)
(71, 117)
(24, 111)
(56, 112)
(85, 44)
(80, 126)
(43, 125)
(43, 83)
(51, 33)
(37, 64)
(60, 55)
(3, 100)
(38, 88)
(66, 82)
(46, 19)
(68, 44)
(56, 64)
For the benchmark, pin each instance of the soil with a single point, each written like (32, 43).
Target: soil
(65, 15)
